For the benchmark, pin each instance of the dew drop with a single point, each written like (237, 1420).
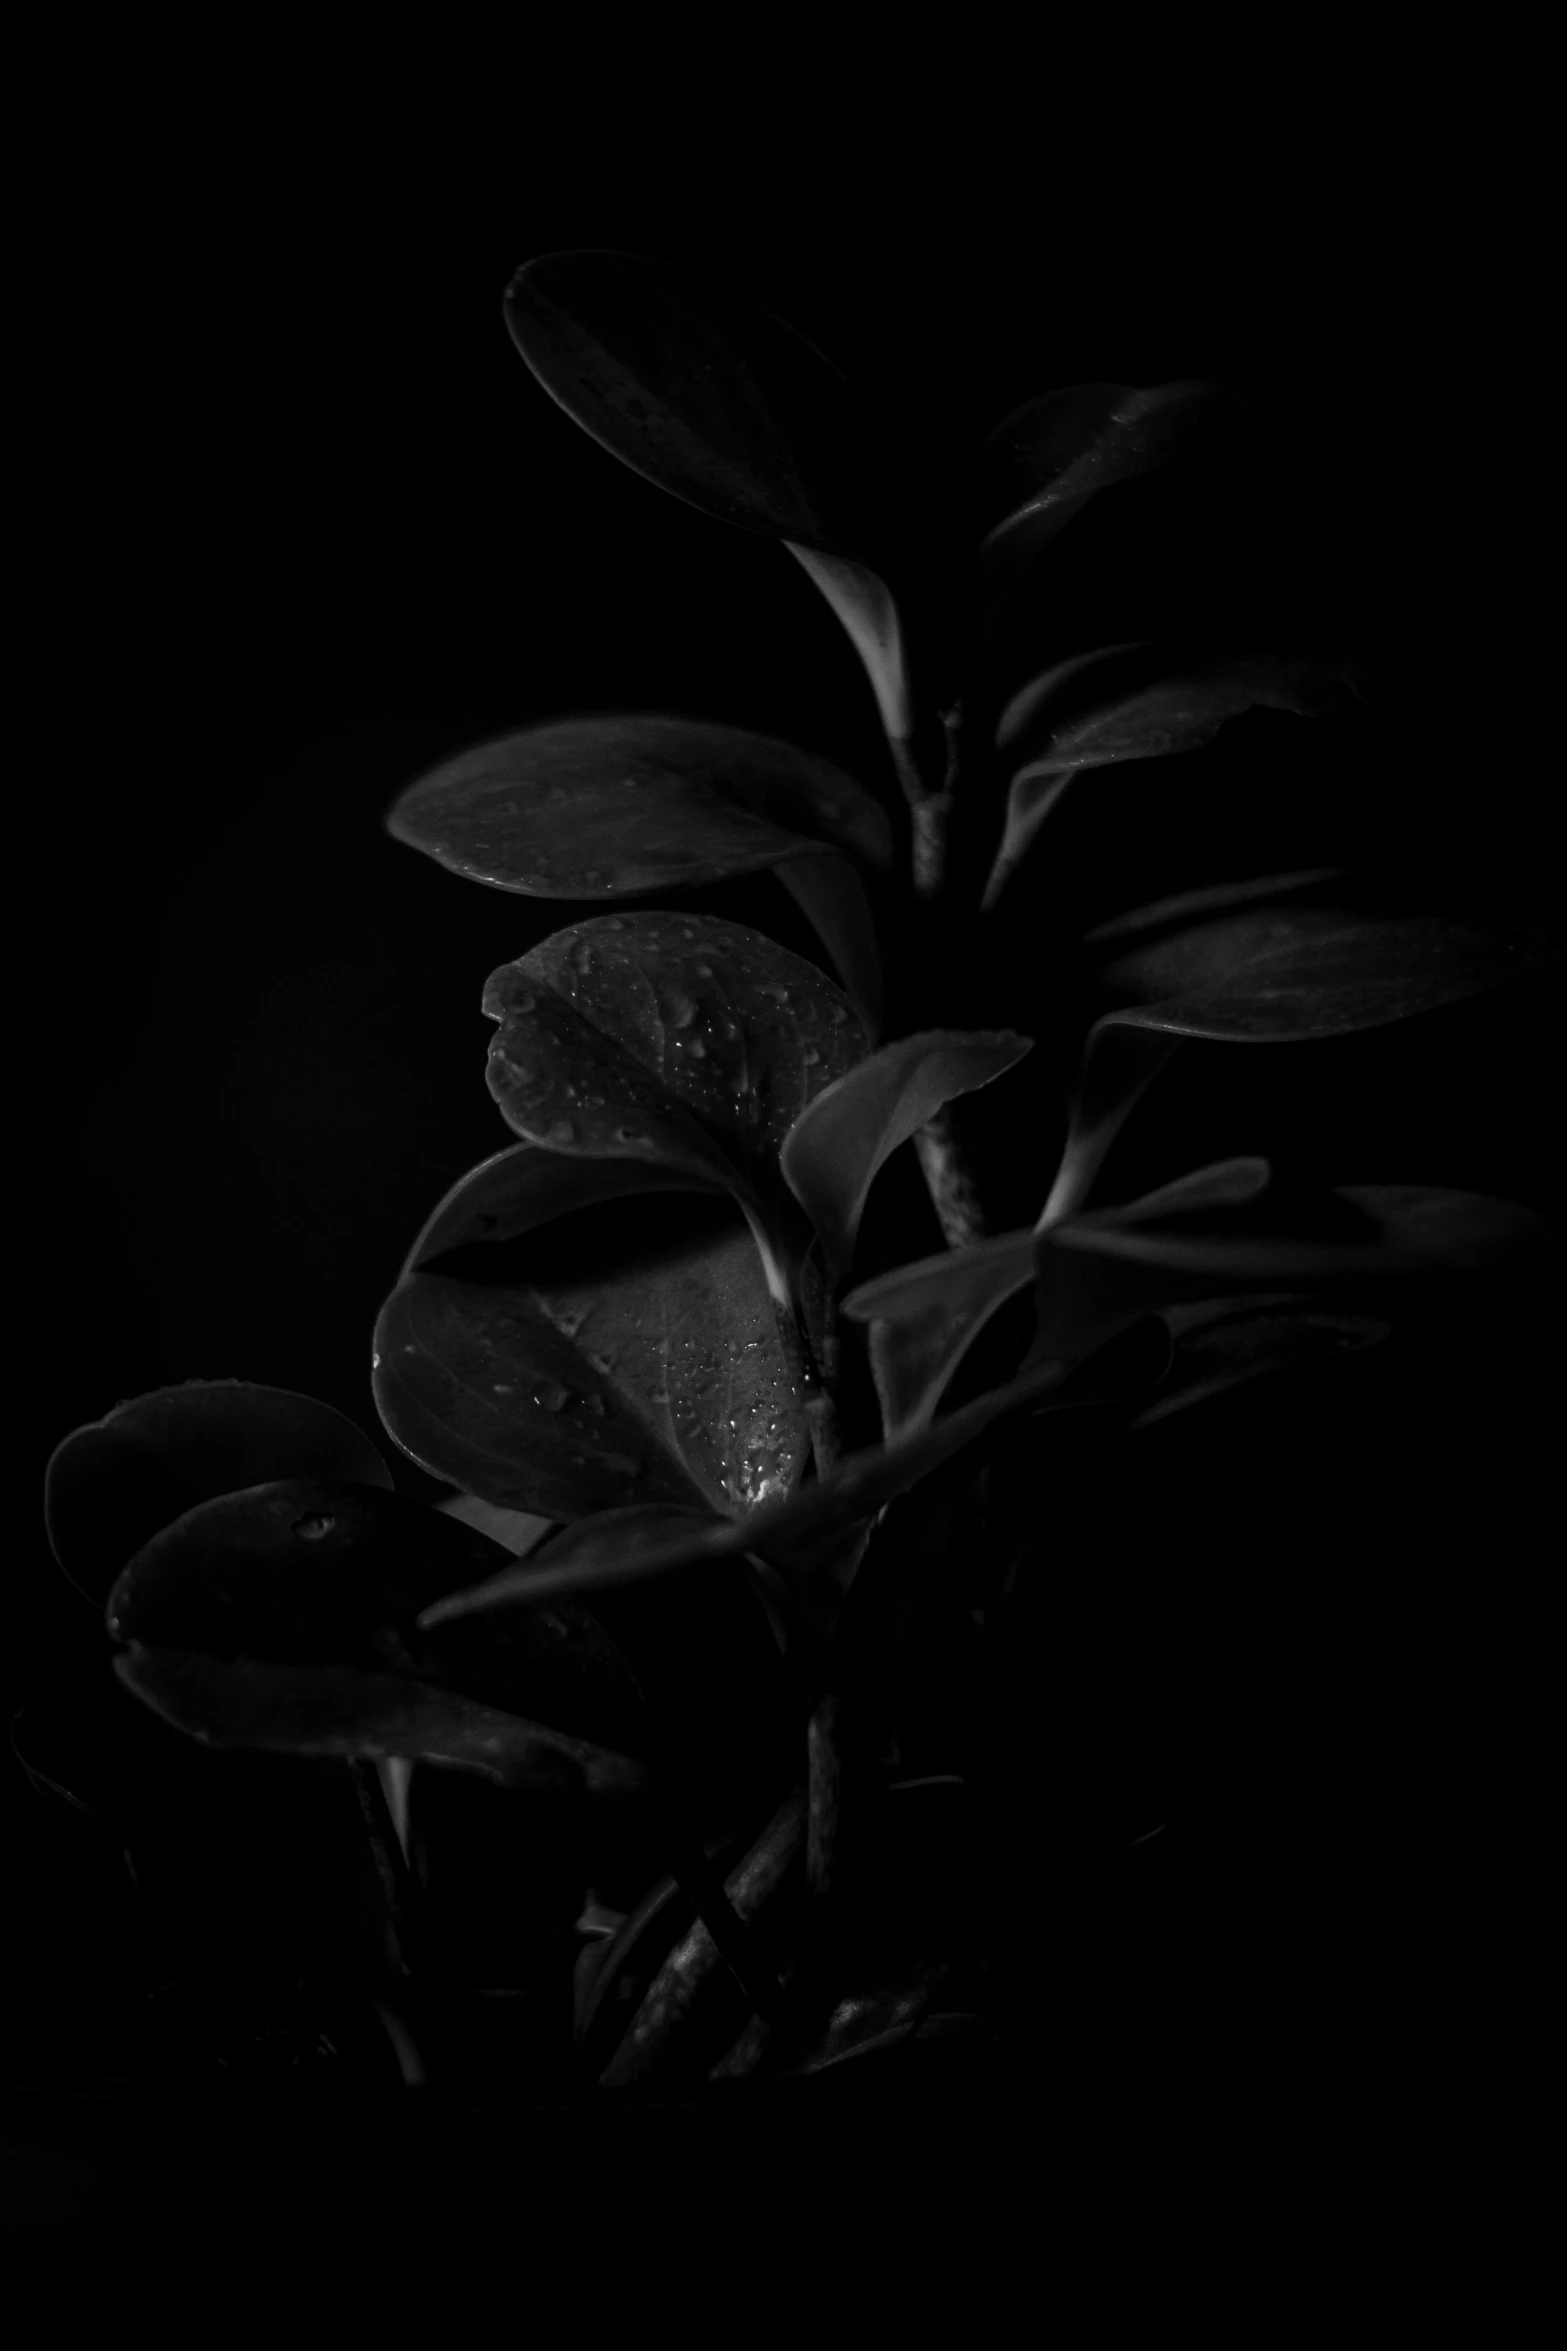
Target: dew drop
(682, 1011)
(551, 1396)
(629, 1135)
(500, 1388)
(592, 1101)
(594, 879)
(810, 1057)
(563, 1131)
(593, 1405)
(704, 971)
(612, 922)
(839, 1016)
(697, 1050)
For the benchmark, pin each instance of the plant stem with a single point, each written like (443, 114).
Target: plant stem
(673, 1991)
(705, 1890)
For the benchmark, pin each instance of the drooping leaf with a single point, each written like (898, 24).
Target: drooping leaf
(556, 1344)
(112, 1483)
(627, 803)
(1279, 972)
(832, 1153)
(705, 392)
(1043, 463)
(1137, 702)
(1226, 1343)
(283, 1617)
(680, 1041)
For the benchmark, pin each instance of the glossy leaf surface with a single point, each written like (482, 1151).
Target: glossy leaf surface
(283, 1617)
(625, 804)
(678, 1040)
(565, 1338)
(1274, 973)
(705, 392)
(832, 1153)
(113, 1483)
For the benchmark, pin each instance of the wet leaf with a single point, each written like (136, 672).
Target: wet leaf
(705, 392)
(1275, 973)
(112, 1483)
(680, 1041)
(629, 803)
(283, 1618)
(832, 1153)
(790, 1534)
(1043, 463)
(557, 1345)
(1138, 702)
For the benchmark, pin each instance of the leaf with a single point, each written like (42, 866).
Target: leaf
(679, 1041)
(705, 392)
(830, 894)
(111, 1484)
(1045, 461)
(1101, 1271)
(925, 1317)
(700, 1649)
(628, 803)
(784, 1532)
(283, 1617)
(518, 1531)
(1226, 1343)
(832, 1153)
(1165, 913)
(551, 1357)
(1137, 702)
(1275, 973)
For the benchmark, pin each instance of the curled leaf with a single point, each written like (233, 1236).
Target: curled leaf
(111, 1484)
(558, 1345)
(832, 1153)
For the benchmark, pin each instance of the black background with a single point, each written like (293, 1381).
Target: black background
(306, 525)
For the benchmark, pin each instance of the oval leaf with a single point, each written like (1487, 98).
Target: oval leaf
(1167, 913)
(284, 1617)
(624, 804)
(1043, 463)
(1277, 973)
(1104, 709)
(678, 1040)
(705, 392)
(832, 1153)
(111, 1484)
(569, 1363)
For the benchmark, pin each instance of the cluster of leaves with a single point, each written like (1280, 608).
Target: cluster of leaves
(634, 1341)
